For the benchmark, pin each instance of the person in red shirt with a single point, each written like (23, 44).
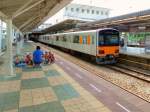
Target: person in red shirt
(46, 58)
(28, 59)
(51, 57)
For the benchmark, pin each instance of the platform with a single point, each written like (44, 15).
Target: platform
(135, 51)
(45, 89)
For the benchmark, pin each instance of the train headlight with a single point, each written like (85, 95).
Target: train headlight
(101, 52)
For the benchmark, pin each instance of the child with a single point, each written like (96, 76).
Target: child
(28, 59)
(51, 57)
(17, 61)
(46, 56)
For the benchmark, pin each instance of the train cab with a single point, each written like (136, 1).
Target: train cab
(107, 46)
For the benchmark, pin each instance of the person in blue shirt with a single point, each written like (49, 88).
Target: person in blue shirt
(37, 56)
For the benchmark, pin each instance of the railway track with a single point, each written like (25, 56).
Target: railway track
(131, 72)
(135, 83)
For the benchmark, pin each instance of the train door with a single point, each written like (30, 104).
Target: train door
(92, 44)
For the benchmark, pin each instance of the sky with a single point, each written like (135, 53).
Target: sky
(117, 7)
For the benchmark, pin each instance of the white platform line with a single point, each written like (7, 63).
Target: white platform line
(79, 76)
(94, 87)
(122, 107)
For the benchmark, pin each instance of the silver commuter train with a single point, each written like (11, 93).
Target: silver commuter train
(101, 44)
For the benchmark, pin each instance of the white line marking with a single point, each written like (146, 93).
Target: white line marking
(68, 68)
(94, 87)
(79, 76)
(123, 107)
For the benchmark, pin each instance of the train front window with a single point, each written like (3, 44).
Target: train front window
(108, 38)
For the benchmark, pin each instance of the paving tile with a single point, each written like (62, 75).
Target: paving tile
(7, 78)
(9, 86)
(47, 68)
(33, 74)
(25, 98)
(51, 73)
(29, 69)
(50, 107)
(76, 105)
(38, 96)
(18, 70)
(14, 110)
(34, 83)
(9, 101)
(56, 80)
(27, 109)
(65, 92)
(49, 94)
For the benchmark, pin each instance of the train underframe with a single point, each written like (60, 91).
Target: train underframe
(108, 59)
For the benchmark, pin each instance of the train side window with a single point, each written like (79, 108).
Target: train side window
(92, 39)
(57, 38)
(76, 39)
(61, 38)
(64, 38)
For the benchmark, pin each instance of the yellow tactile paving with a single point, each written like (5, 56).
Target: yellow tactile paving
(56, 80)
(91, 101)
(30, 75)
(9, 86)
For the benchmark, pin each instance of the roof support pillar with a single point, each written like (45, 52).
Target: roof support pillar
(19, 43)
(9, 52)
(0, 36)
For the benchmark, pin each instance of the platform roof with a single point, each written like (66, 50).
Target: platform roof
(123, 22)
(63, 26)
(28, 14)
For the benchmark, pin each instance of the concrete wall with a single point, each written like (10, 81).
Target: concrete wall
(86, 12)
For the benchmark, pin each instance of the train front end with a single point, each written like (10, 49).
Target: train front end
(107, 46)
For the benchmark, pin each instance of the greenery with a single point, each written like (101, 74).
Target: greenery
(137, 37)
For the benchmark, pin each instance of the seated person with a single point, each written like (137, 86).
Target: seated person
(28, 59)
(46, 58)
(51, 57)
(17, 61)
(37, 56)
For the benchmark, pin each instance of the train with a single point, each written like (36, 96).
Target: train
(101, 45)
